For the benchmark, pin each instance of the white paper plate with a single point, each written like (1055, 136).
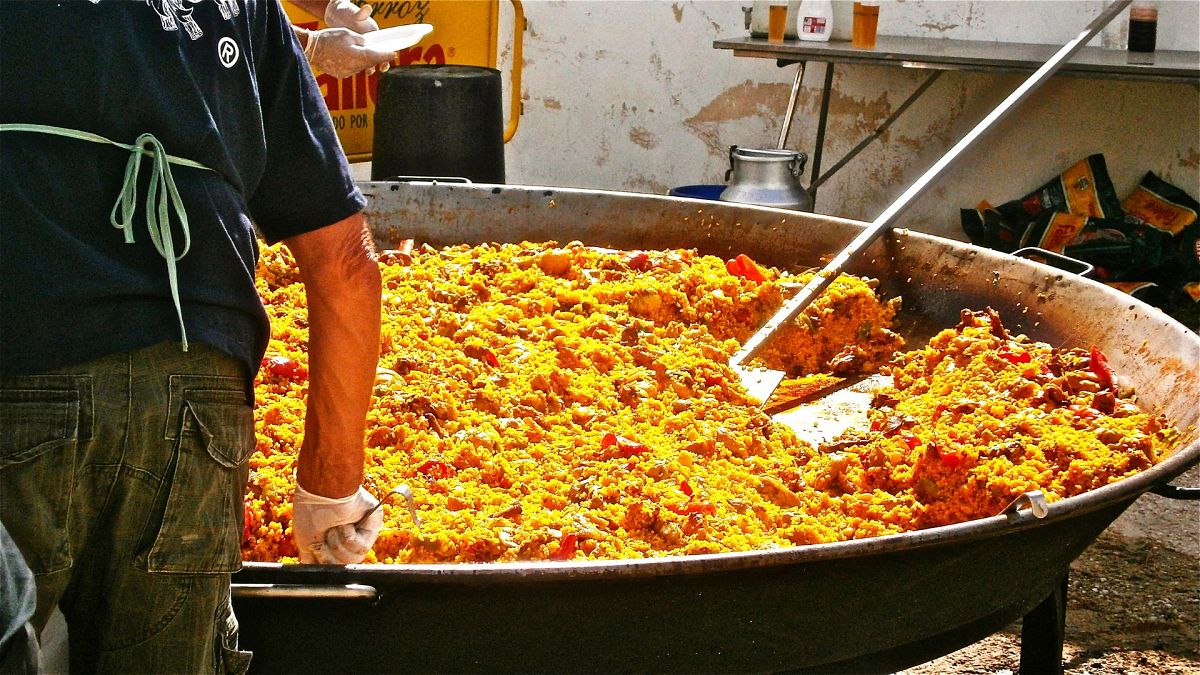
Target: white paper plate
(397, 37)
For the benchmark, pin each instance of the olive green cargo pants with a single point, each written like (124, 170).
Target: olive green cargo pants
(121, 481)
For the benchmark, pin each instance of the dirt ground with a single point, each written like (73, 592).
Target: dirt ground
(1133, 607)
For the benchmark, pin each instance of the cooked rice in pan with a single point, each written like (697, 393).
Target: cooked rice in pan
(549, 402)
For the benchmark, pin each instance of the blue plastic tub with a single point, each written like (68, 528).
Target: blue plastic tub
(697, 191)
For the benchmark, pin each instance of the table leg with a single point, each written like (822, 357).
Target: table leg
(791, 109)
(818, 180)
(824, 116)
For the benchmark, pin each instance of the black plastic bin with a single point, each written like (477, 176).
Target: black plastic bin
(439, 121)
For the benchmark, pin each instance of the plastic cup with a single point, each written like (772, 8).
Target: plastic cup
(866, 23)
(776, 22)
(1143, 25)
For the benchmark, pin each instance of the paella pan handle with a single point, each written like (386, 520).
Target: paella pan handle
(1034, 500)
(427, 179)
(1062, 262)
(1175, 492)
(305, 592)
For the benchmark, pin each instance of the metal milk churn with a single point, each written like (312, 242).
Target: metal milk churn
(766, 178)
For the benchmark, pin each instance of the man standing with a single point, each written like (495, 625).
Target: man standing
(143, 144)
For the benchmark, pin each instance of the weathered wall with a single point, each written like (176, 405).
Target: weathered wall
(632, 96)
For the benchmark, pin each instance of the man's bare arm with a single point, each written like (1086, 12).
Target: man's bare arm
(342, 286)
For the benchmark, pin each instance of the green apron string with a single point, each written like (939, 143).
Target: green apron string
(159, 201)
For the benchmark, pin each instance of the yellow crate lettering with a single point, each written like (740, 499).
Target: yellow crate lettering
(399, 10)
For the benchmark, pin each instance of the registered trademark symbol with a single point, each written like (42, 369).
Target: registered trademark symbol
(227, 51)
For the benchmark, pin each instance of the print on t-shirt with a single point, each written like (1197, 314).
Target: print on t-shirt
(172, 13)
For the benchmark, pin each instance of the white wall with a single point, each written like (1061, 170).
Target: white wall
(632, 96)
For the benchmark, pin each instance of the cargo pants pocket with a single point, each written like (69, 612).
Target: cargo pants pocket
(227, 658)
(212, 426)
(42, 418)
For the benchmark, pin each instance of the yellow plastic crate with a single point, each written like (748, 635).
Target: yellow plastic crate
(465, 32)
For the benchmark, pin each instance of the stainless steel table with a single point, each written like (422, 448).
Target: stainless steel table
(940, 55)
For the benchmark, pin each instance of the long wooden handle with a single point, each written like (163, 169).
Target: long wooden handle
(883, 223)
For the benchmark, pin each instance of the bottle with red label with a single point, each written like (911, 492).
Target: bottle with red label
(814, 21)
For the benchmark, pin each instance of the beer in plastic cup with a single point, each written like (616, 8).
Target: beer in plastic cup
(866, 22)
(776, 22)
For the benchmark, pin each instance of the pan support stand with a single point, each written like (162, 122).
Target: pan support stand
(1042, 631)
(823, 117)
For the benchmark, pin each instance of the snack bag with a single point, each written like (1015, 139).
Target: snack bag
(1146, 291)
(1116, 248)
(1084, 189)
(986, 226)
(1158, 204)
(1182, 260)
(1183, 302)
(1162, 210)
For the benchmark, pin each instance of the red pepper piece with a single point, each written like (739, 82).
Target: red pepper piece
(937, 412)
(566, 549)
(489, 358)
(713, 380)
(435, 469)
(282, 366)
(1006, 353)
(911, 441)
(625, 447)
(951, 458)
(247, 535)
(687, 489)
(639, 261)
(742, 266)
(287, 547)
(1103, 371)
(703, 508)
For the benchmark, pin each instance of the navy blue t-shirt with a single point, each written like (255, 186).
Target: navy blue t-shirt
(219, 82)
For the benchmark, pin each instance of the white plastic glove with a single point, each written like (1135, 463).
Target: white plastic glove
(341, 52)
(346, 14)
(327, 530)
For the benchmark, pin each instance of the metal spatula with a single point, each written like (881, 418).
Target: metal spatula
(760, 382)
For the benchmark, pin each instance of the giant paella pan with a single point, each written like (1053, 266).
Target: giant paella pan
(879, 603)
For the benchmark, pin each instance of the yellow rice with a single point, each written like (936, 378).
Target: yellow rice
(507, 371)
